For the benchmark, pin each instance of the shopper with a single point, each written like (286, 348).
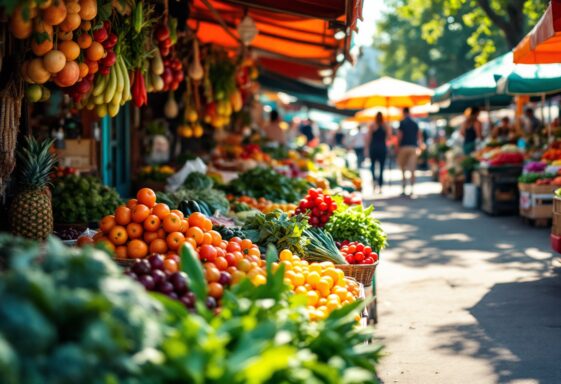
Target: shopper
(273, 130)
(409, 139)
(356, 143)
(376, 148)
(339, 137)
(307, 129)
(471, 130)
(504, 132)
(533, 125)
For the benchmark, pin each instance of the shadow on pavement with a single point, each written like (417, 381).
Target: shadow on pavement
(437, 231)
(518, 331)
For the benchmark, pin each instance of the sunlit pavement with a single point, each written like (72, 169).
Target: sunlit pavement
(464, 297)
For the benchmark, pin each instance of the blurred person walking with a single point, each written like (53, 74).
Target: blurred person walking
(409, 140)
(273, 130)
(376, 148)
(471, 130)
(356, 143)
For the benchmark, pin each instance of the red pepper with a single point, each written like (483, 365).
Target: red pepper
(139, 94)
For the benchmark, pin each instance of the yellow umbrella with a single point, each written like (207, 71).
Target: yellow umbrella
(386, 92)
(392, 113)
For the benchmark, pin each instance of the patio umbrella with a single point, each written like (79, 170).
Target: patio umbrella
(386, 92)
(543, 44)
(391, 113)
(528, 79)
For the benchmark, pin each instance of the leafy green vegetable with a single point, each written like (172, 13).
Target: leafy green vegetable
(278, 229)
(70, 316)
(199, 181)
(357, 224)
(322, 247)
(82, 199)
(531, 177)
(267, 183)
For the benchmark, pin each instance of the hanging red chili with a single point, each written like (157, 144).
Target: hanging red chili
(139, 94)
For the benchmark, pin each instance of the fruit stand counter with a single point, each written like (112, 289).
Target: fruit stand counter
(499, 189)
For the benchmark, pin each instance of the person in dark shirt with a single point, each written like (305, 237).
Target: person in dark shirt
(307, 130)
(376, 148)
(471, 130)
(339, 137)
(409, 139)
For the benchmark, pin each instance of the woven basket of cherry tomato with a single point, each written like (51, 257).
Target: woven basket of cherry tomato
(362, 261)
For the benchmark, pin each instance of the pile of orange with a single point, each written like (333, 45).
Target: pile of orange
(325, 286)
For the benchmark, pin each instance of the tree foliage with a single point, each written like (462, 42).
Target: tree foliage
(441, 39)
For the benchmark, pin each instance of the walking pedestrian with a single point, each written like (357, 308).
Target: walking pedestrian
(376, 148)
(471, 130)
(409, 140)
(356, 143)
(273, 130)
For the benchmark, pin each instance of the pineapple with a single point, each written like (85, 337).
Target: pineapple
(31, 212)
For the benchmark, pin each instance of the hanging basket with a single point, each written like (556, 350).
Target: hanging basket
(363, 273)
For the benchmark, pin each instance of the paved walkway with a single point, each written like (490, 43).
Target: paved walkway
(464, 297)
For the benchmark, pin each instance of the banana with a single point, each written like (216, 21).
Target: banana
(126, 78)
(101, 110)
(111, 87)
(98, 100)
(117, 98)
(99, 86)
(113, 109)
(120, 77)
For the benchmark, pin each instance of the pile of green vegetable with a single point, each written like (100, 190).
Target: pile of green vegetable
(357, 224)
(531, 177)
(200, 188)
(82, 199)
(70, 316)
(266, 182)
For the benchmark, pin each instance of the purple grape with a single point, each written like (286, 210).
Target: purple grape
(211, 302)
(165, 287)
(156, 261)
(158, 276)
(225, 278)
(188, 299)
(173, 295)
(179, 281)
(141, 267)
(147, 281)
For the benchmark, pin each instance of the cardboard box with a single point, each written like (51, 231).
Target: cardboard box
(79, 154)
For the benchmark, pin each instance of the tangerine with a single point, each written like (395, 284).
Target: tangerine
(178, 213)
(150, 236)
(107, 223)
(139, 213)
(131, 203)
(134, 230)
(118, 235)
(175, 240)
(137, 249)
(70, 48)
(85, 40)
(95, 52)
(196, 233)
(196, 220)
(152, 223)
(161, 210)
(158, 246)
(121, 252)
(170, 265)
(123, 215)
(147, 197)
(172, 223)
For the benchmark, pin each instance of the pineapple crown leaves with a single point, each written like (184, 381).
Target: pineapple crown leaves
(36, 163)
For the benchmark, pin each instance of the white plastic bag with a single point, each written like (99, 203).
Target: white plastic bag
(470, 196)
(175, 181)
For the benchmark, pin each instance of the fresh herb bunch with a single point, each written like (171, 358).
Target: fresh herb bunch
(322, 247)
(267, 183)
(278, 229)
(357, 224)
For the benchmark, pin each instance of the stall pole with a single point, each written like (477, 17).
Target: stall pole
(106, 150)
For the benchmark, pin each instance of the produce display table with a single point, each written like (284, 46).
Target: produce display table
(499, 189)
(536, 202)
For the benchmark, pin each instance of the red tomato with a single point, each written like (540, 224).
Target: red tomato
(359, 256)
(367, 250)
(234, 246)
(207, 253)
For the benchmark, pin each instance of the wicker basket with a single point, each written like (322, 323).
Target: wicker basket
(362, 273)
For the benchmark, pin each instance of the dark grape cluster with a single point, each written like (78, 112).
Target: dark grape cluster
(70, 233)
(150, 272)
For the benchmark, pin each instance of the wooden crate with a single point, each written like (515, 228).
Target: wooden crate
(543, 189)
(536, 201)
(556, 227)
(524, 187)
(557, 205)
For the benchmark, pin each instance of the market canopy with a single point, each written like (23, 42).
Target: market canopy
(528, 79)
(479, 83)
(543, 44)
(387, 92)
(295, 32)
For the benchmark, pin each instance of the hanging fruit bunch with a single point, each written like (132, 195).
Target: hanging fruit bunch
(190, 126)
(58, 31)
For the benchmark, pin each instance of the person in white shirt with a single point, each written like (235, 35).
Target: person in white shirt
(356, 143)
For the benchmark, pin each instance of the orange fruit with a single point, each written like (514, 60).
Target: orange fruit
(147, 197)
(215, 290)
(172, 223)
(178, 213)
(95, 52)
(152, 223)
(139, 213)
(86, 25)
(196, 233)
(150, 236)
(84, 240)
(106, 245)
(221, 263)
(184, 225)
(137, 249)
(161, 210)
(131, 203)
(212, 274)
(123, 215)
(246, 243)
(107, 223)
(175, 240)
(71, 22)
(158, 246)
(191, 242)
(254, 252)
(162, 233)
(85, 40)
(93, 67)
(121, 252)
(84, 70)
(118, 235)
(216, 238)
(313, 298)
(134, 230)
(196, 220)
(70, 48)
(207, 238)
(170, 265)
(206, 225)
